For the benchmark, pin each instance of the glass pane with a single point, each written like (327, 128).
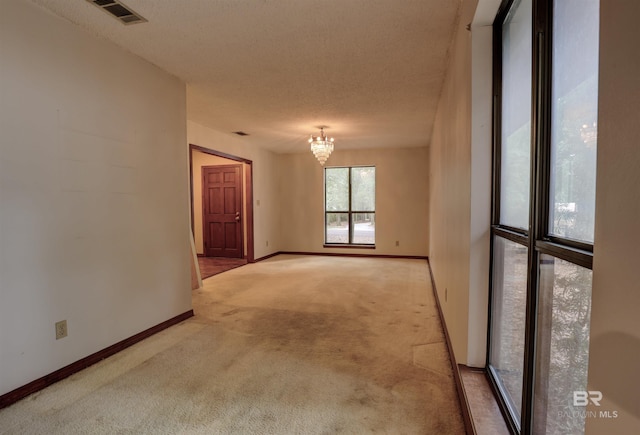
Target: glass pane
(516, 117)
(337, 189)
(337, 225)
(364, 228)
(363, 189)
(574, 118)
(508, 318)
(562, 346)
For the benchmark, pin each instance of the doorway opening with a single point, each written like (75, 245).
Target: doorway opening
(221, 209)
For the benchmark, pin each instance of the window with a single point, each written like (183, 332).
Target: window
(509, 319)
(516, 117)
(350, 205)
(562, 345)
(546, 94)
(510, 254)
(574, 106)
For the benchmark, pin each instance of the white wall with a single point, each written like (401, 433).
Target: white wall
(481, 160)
(461, 150)
(401, 200)
(288, 195)
(266, 198)
(450, 185)
(94, 203)
(614, 353)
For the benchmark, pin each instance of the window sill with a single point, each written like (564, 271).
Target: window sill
(337, 245)
(482, 403)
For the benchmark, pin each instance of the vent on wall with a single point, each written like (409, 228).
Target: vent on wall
(119, 11)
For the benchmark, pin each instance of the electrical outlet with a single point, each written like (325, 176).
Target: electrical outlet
(446, 294)
(397, 242)
(61, 329)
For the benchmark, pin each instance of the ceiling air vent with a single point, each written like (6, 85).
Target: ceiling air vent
(119, 11)
(241, 133)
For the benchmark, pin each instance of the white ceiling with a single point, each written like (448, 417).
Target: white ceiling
(370, 70)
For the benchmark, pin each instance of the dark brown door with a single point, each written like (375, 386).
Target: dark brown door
(222, 210)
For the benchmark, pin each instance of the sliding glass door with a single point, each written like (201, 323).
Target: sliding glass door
(546, 87)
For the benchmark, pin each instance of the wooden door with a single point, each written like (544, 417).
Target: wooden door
(222, 210)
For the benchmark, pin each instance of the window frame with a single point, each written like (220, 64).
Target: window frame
(537, 239)
(350, 212)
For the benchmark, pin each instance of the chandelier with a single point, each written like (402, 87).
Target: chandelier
(321, 146)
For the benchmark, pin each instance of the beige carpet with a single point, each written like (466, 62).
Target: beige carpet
(291, 345)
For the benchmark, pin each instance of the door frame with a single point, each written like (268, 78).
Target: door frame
(248, 198)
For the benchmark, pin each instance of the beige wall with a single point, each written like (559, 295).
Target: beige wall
(450, 184)
(461, 184)
(94, 224)
(481, 161)
(401, 200)
(614, 357)
(266, 197)
(200, 159)
(289, 195)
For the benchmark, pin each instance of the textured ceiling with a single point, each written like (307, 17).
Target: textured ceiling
(370, 70)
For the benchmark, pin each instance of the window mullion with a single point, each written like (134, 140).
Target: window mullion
(572, 255)
(350, 206)
(539, 197)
